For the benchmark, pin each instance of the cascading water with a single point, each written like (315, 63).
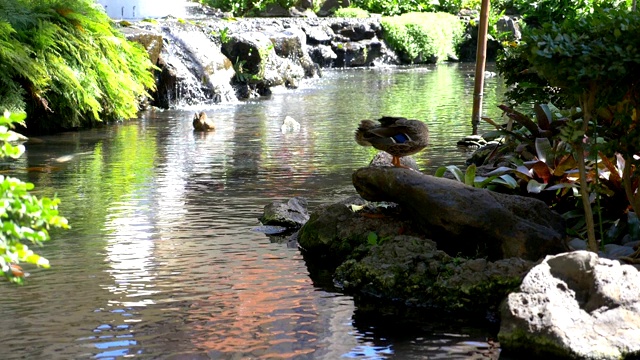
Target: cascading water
(201, 73)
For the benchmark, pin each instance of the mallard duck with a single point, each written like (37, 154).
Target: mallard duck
(397, 136)
(202, 123)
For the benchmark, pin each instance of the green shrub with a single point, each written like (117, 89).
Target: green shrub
(423, 37)
(397, 7)
(64, 63)
(351, 13)
(247, 7)
(545, 11)
(23, 217)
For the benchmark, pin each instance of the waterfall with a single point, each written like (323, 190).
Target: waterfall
(202, 73)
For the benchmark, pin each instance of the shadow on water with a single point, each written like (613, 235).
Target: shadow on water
(162, 261)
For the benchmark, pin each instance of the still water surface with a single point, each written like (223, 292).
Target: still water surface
(162, 261)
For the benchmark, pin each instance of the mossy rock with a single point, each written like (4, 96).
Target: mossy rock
(414, 271)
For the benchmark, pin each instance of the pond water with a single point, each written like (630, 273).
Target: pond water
(162, 261)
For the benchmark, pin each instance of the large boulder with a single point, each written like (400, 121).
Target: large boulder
(466, 220)
(254, 54)
(574, 305)
(150, 40)
(192, 70)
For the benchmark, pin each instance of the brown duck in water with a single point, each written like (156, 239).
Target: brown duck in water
(397, 136)
(202, 123)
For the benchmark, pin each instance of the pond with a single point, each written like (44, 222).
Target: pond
(163, 262)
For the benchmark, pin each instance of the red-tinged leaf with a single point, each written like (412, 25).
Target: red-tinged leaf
(568, 162)
(541, 171)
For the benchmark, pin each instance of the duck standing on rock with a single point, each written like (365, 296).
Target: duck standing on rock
(397, 136)
(202, 123)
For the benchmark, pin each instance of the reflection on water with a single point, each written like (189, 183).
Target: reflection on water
(161, 260)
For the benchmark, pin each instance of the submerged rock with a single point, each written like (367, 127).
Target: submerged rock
(575, 305)
(293, 214)
(467, 220)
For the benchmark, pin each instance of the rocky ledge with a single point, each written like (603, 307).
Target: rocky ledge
(211, 60)
(434, 243)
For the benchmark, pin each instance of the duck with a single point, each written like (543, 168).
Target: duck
(397, 136)
(202, 123)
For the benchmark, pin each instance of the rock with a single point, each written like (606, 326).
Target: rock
(574, 305)
(384, 159)
(192, 70)
(467, 220)
(293, 214)
(291, 44)
(413, 270)
(255, 53)
(150, 40)
(357, 53)
(330, 6)
(335, 232)
(511, 25)
(289, 125)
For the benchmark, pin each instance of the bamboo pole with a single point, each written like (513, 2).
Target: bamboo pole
(481, 61)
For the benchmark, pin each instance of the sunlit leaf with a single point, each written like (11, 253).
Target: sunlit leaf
(372, 238)
(457, 173)
(535, 187)
(470, 175)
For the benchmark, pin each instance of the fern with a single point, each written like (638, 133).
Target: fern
(65, 64)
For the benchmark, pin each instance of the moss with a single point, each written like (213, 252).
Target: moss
(413, 270)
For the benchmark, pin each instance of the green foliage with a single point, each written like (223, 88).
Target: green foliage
(497, 178)
(423, 37)
(547, 11)
(23, 217)
(247, 7)
(351, 13)
(69, 64)
(397, 7)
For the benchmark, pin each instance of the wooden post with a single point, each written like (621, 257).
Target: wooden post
(481, 61)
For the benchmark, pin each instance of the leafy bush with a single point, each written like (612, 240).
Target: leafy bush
(64, 63)
(546, 11)
(423, 37)
(23, 217)
(397, 7)
(247, 7)
(351, 13)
